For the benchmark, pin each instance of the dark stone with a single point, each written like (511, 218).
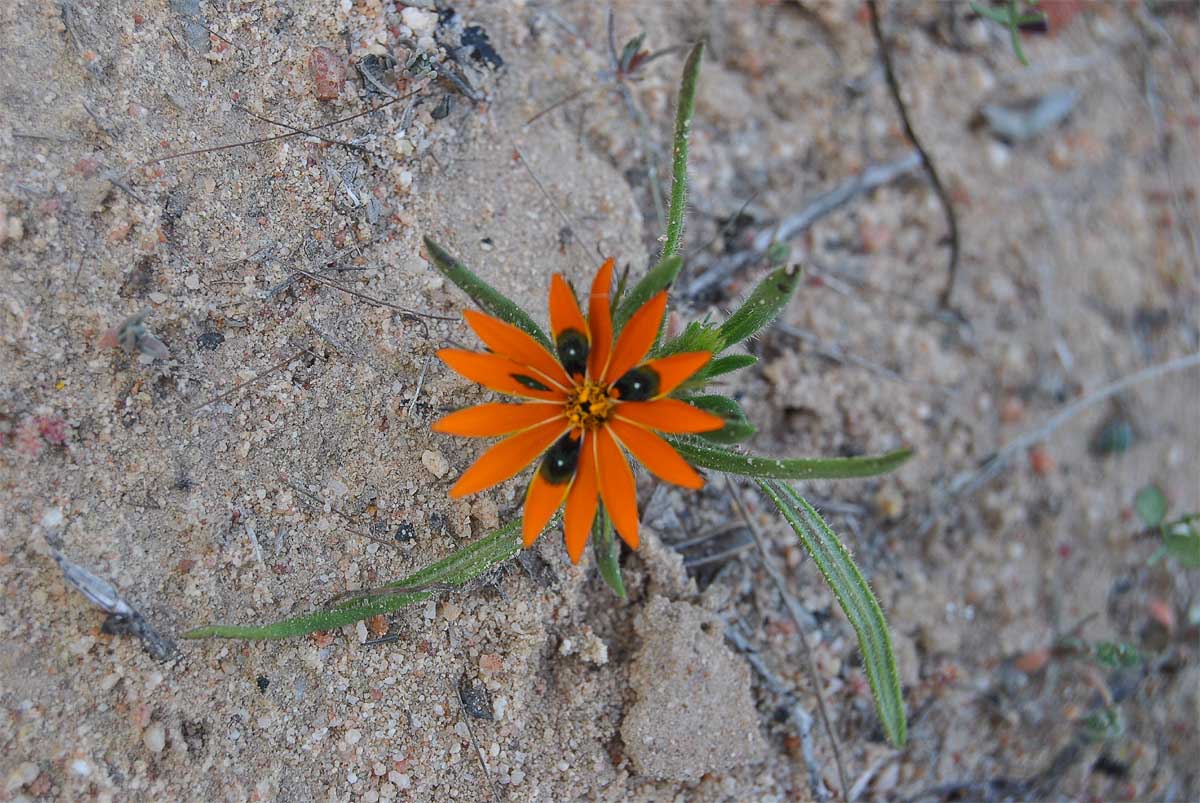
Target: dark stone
(475, 699)
(210, 341)
(476, 37)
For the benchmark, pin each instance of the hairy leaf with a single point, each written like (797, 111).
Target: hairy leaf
(456, 570)
(737, 427)
(723, 365)
(784, 468)
(486, 297)
(683, 130)
(656, 279)
(834, 562)
(766, 302)
(607, 551)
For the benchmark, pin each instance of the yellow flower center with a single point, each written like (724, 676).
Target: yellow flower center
(589, 405)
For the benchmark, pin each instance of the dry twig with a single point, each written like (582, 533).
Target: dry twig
(800, 618)
(885, 55)
(794, 225)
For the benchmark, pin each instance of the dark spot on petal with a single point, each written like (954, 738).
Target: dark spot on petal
(558, 466)
(572, 347)
(529, 382)
(639, 384)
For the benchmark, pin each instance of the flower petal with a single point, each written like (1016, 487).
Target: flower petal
(581, 501)
(564, 309)
(637, 337)
(511, 342)
(507, 458)
(542, 499)
(617, 487)
(600, 320)
(673, 371)
(655, 454)
(497, 418)
(500, 374)
(669, 415)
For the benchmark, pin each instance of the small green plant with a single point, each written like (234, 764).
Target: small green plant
(1180, 537)
(696, 356)
(1014, 15)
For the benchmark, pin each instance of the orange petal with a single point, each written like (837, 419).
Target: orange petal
(564, 309)
(511, 342)
(600, 320)
(673, 371)
(507, 458)
(499, 374)
(542, 499)
(581, 501)
(617, 487)
(655, 454)
(637, 337)
(497, 418)
(669, 415)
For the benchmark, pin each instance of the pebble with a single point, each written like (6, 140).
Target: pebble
(353, 736)
(889, 502)
(154, 737)
(435, 462)
(328, 73)
(421, 22)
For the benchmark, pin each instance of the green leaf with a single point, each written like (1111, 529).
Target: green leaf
(1150, 505)
(456, 570)
(723, 365)
(630, 51)
(1104, 725)
(764, 304)
(683, 130)
(486, 297)
(784, 468)
(994, 14)
(737, 427)
(1182, 542)
(656, 279)
(1117, 654)
(834, 562)
(698, 336)
(607, 551)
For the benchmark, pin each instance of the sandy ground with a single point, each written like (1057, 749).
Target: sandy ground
(1079, 266)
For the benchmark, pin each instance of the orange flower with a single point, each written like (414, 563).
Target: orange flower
(583, 409)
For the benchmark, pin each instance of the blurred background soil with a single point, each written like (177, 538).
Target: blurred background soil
(281, 454)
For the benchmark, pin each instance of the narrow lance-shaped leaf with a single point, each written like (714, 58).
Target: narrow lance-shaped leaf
(607, 551)
(488, 298)
(787, 468)
(834, 562)
(723, 365)
(698, 336)
(737, 427)
(679, 155)
(456, 570)
(764, 304)
(657, 278)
